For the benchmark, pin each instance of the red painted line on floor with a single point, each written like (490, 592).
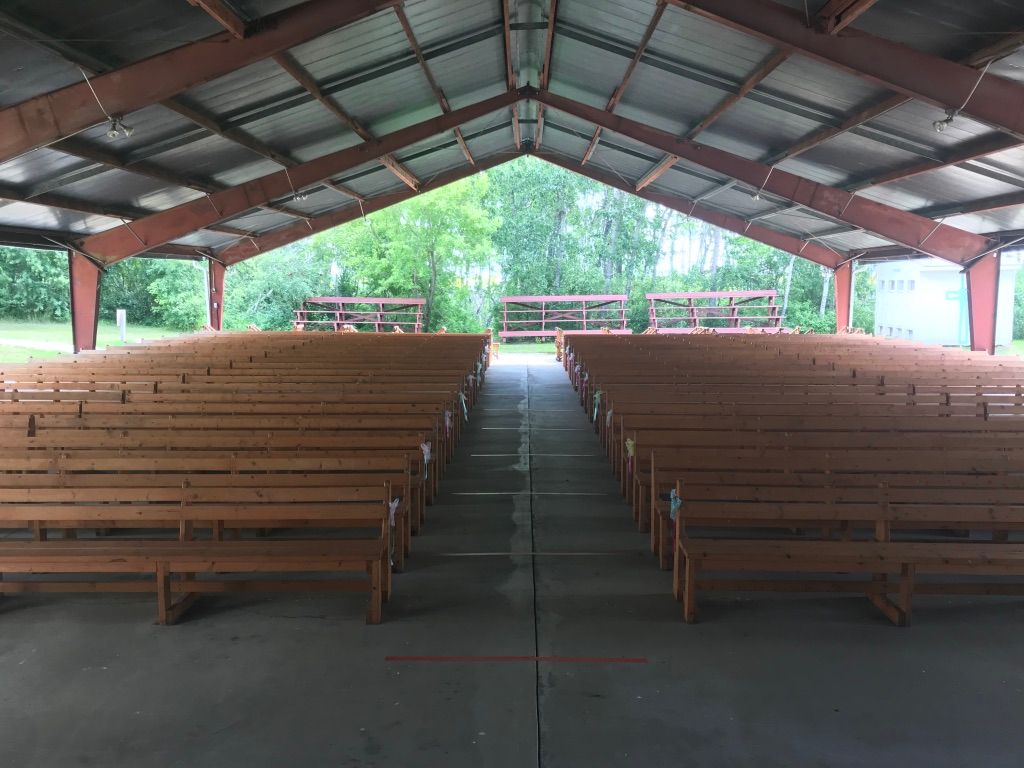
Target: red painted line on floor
(557, 659)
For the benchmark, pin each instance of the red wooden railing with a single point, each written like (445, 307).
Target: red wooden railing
(725, 311)
(381, 315)
(540, 316)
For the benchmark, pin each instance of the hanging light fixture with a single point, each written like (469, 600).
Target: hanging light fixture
(118, 128)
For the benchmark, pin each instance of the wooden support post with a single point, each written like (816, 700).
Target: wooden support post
(85, 300)
(983, 302)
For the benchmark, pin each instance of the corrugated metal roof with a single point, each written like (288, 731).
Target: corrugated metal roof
(120, 188)
(26, 70)
(690, 65)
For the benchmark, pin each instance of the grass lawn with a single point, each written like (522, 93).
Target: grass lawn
(23, 354)
(22, 339)
(1016, 348)
(521, 347)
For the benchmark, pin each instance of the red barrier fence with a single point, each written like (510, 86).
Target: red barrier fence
(380, 315)
(725, 311)
(542, 316)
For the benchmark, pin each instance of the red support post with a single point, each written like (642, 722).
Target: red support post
(983, 301)
(215, 297)
(85, 300)
(844, 295)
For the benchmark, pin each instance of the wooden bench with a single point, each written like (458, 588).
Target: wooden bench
(171, 568)
(877, 560)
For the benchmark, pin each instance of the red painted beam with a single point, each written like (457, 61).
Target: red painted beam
(84, 278)
(837, 15)
(215, 297)
(983, 301)
(248, 247)
(997, 101)
(844, 296)
(803, 248)
(146, 233)
(58, 114)
(891, 223)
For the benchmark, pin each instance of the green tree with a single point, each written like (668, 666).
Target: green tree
(125, 285)
(266, 290)
(429, 247)
(179, 297)
(33, 284)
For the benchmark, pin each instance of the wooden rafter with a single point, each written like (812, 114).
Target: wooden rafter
(768, 66)
(438, 93)
(620, 89)
(224, 15)
(303, 78)
(837, 15)
(512, 81)
(899, 67)
(73, 146)
(545, 71)
(169, 225)
(71, 109)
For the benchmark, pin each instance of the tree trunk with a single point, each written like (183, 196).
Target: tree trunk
(826, 281)
(611, 232)
(553, 247)
(429, 309)
(789, 285)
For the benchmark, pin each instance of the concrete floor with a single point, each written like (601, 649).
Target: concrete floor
(301, 681)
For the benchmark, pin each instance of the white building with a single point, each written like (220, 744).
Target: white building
(926, 300)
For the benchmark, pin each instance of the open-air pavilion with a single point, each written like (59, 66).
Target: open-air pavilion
(839, 131)
(600, 545)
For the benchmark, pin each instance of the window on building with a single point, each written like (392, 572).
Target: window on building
(892, 285)
(899, 285)
(899, 333)
(910, 285)
(878, 330)
(910, 334)
(890, 331)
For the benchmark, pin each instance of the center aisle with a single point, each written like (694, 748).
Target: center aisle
(536, 515)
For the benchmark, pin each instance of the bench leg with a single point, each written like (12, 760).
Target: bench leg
(375, 610)
(690, 591)
(677, 572)
(168, 611)
(163, 593)
(398, 543)
(907, 575)
(666, 542)
(655, 533)
(897, 612)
